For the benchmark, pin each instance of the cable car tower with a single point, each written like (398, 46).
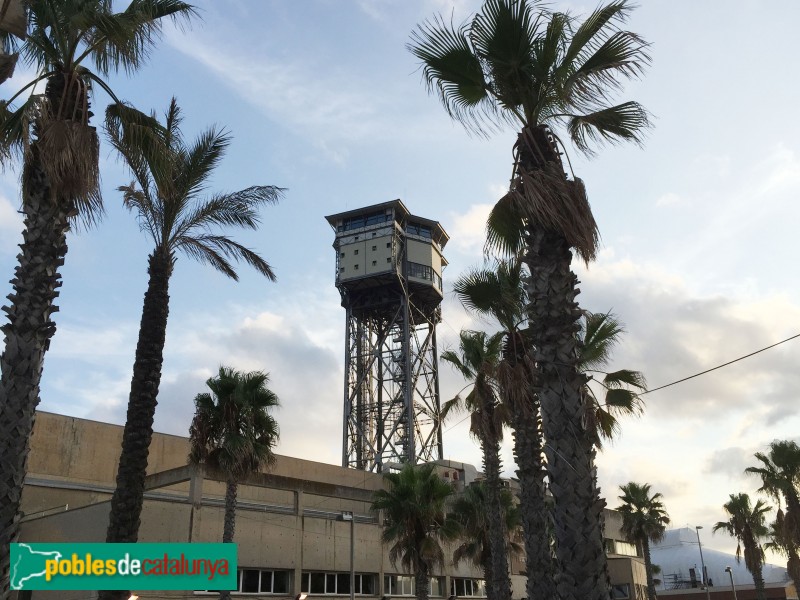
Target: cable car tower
(389, 274)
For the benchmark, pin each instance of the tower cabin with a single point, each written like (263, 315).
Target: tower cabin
(378, 245)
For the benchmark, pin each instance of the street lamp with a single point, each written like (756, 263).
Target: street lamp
(702, 562)
(729, 571)
(348, 516)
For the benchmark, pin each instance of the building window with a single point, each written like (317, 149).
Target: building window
(374, 248)
(471, 588)
(337, 584)
(355, 267)
(424, 272)
(341, 269)
(389, 259)
(621, 547)
(355, 251)
(260, 581)
(404, 585)
(341, 254)
(388, 244)
(374, 233)
(374, 262)
(620, 591)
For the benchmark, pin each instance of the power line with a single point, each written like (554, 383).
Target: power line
(730, 362)
(720, 366)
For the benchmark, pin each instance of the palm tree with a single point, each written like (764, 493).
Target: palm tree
(477, 362)
(644, 520)
(747, 524)
(73, 45)
(415, 522)
(470, 511)
(168, 199)
(514, 63)
(233, 431)
(781, 543)
(780, 479)
(499, 294)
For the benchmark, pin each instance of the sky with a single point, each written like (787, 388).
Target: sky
(321, 97)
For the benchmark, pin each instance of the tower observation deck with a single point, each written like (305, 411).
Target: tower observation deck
(389, 274)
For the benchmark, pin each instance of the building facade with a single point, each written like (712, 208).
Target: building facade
(289, 529)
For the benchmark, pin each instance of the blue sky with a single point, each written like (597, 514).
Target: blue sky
(321, 97)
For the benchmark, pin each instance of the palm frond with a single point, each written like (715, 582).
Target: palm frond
(452, 71)
(625, 377)
(218, 248)
(623, 122)
(505, 228)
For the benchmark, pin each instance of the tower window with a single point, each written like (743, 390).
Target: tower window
(341, 254)
(374, 262)
(388, 259)
(355, 267)
(374, 247)
(355, 251)
(388, 244)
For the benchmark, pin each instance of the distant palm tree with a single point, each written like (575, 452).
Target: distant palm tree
(747, 524)
(72, 45)
(167, 196)
(477, 361)
(415, 522)
(780, 479)
(470, 509)
(644, 520)
(233, 431)
(780, 543)
(516, 63)
(498, 293)
(600, 333)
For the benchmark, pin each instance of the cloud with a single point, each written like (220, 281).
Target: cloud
(670, 199)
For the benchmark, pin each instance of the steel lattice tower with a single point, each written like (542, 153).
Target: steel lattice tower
(389, 274)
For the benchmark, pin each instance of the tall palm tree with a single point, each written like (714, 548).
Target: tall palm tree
(781, 543)
(514, 63)
(415, 522)
(233, 431)
(780, 479)
(748, 525)
(73, 45)
(644, 520)
(599, 334)
(498, 293)
(477, 361)
(470, 511)
(168, 198)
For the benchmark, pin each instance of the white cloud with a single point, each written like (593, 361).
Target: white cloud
(670, 199)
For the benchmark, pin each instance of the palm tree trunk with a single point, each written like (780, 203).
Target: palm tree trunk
(648, 568)
(229, 526)
(577, 512)
(126, 504)
(27, 338)
(422, 582)
(793, 566)
(500, 583)
(534, 510)
(758, 580)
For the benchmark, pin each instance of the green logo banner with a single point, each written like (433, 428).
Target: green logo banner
(123, 567)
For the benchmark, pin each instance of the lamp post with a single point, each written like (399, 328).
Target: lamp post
(729, 571)
(702, 562)
(348, 516)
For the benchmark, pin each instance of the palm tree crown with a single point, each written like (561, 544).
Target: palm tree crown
(233, 429)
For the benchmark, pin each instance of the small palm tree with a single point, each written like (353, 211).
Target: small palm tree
(747, 524)
(477, 361)
(414, 521)
(780, 543)
(779, 471)
(233, 431)
(73, 45)
(470, 511)
(499, 294)
(168, 199)
(515, 63)
(644, 520)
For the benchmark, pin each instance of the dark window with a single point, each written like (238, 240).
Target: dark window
(389, 259)
(388, 244)
(355, 251)
(355, 267)
(374, 262)
(250, 581)
(317, 583)
(374, 248)
(280, 583)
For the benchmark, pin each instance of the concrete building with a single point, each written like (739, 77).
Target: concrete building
(289, 531)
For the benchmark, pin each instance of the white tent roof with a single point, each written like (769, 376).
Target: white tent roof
(678, 552)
